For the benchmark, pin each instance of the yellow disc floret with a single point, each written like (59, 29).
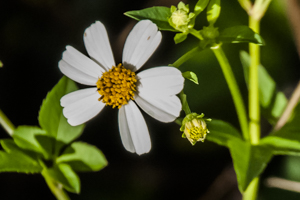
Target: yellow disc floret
(196, 130)
(194, 127)
(117, 86)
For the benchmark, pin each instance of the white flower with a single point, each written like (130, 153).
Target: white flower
(154, 90)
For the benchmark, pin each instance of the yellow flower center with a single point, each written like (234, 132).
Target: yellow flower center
(196, 130)
(117, 86)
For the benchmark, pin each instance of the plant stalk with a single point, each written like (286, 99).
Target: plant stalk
(55, 187)
(188, 55)
(254, 109)
(252, 190)
(254, 106)
(233, 87)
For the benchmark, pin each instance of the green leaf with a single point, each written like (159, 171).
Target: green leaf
(180, 37)
(157, 14)
(64, 174)
(222, 132)
(83, 157)
(51, 117)
(25, 138)
(272, 102)
(16, 159)
(249, 161)
(213, 11)
(239, 34)
(190, 76)
(286, 141)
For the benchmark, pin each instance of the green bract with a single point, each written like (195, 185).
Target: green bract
(191, 76)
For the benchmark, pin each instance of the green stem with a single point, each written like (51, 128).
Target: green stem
(252, 190)
(196, 34)
(55, 187)
(233, 87)
(188, 55)
(254, 109)
(6, 123)
(185, 105)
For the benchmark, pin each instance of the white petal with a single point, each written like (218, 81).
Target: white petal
(81, 106)
(160, 81)
(140, 44)
(97, 45)
(133, 129)
(162, 108)
(76, 74)
(77, 95)
(80, 68)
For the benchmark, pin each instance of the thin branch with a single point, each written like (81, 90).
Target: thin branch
(293, 12)
(283, 184)
(289, 109)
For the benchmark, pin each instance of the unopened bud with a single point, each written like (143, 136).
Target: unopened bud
(194, 128)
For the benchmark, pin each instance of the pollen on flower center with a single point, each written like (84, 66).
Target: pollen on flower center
(117, 86)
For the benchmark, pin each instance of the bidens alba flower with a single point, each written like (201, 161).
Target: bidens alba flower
(153, 90)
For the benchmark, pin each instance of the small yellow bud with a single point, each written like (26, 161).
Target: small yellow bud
(194, 128)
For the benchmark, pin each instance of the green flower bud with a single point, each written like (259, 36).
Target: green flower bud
(194, 128)
(180, 17)
(209, 32)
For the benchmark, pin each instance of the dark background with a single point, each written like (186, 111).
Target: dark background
(33, 35)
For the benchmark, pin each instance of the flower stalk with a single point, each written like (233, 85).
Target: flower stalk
(233, 87)
(186, 57)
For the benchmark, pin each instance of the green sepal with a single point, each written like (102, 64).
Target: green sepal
(51, 118)
(240, 34)
(83, 157)
(65, 175)
(191, 76)
(222, 132)
(249, 161)
(180, 37)
(31, 138)
(157, 14)
(272, 102)
(15, 159)
(213, 11)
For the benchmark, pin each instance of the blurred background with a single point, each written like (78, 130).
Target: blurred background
(33, 35)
